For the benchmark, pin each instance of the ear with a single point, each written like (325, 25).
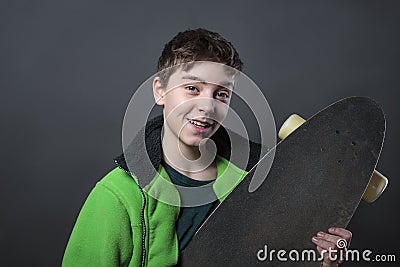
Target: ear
(158, 91)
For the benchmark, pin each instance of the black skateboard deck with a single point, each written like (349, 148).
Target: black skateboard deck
(316, 181)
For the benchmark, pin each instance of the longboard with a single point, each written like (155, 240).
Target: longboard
(316, 181)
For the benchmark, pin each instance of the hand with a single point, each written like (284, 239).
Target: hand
(329, 241)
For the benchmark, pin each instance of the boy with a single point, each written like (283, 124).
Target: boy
(133, 218)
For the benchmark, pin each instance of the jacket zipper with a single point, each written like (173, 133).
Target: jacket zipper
(143, 260)
(143, 229)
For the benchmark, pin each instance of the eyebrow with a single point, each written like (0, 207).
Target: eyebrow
(228, 85)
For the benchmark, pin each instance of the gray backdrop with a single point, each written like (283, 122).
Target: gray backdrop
(69, 69)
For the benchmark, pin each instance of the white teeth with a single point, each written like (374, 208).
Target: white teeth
(199, 124)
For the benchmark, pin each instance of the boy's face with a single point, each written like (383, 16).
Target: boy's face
(195, 100)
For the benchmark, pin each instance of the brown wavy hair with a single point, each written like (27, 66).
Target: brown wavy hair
(196, 45)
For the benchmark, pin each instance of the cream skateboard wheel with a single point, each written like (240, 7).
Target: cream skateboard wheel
(377, 183)
(290, 125)
(375, 187)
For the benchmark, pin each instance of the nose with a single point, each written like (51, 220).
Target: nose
(206, 105)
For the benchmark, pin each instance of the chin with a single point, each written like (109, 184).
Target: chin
(192, 142)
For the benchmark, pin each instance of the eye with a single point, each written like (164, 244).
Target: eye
(192, 89)
(222, 95)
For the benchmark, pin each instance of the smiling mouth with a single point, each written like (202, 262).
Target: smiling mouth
(201, 124)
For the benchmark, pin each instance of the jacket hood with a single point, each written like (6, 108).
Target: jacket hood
(147, 145)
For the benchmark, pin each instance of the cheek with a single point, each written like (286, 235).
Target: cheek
(221, 109)
(185, 105)
(176, 106)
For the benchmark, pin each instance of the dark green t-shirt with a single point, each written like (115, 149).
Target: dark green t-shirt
(190, 218)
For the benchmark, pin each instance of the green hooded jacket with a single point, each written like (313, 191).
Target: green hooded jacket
(129, 218)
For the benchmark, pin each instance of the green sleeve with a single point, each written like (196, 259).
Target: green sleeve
(102, 234)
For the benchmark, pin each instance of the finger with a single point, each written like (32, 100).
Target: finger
(344, 233)
(323, 243)
(328, 237)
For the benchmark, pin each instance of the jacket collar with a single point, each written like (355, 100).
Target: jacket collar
(134, 162)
